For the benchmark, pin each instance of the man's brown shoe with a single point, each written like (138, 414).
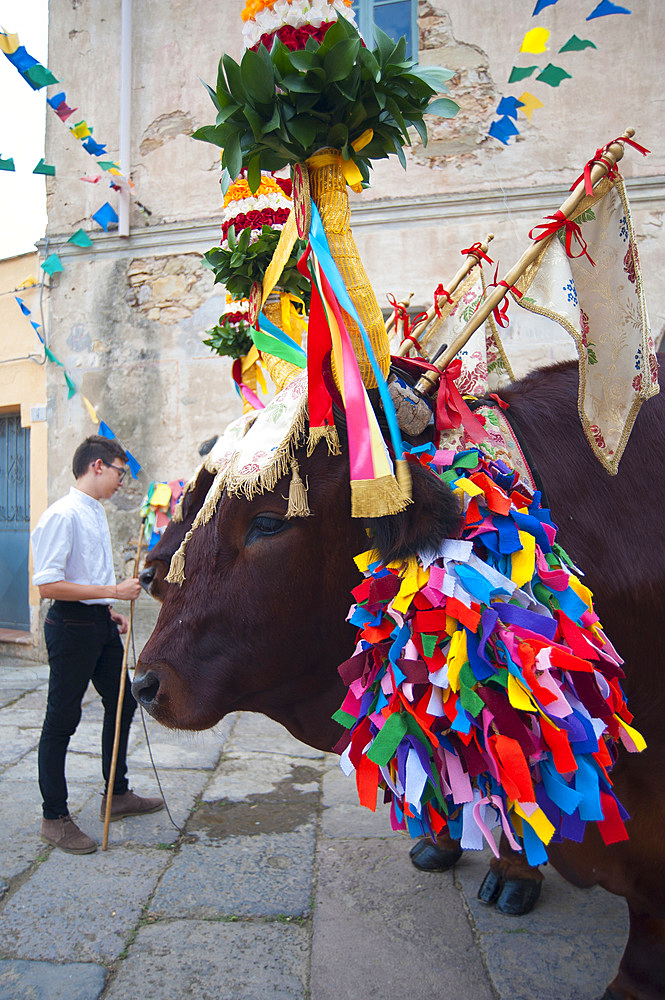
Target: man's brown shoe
(130, 804)
(64, 834)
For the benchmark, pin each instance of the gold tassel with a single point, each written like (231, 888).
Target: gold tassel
(176, 573)
(297, 494)
(377, 497)
(331, 436)
(403, 474)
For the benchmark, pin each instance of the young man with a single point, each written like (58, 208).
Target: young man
(73, 565)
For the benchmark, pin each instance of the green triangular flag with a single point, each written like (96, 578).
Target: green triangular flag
(51, 356)
(576, 44)
(7, 164)
(72, 389)
(107, 164)
(39, 76)
(80, 238)
(44, 168)
(52, 264)
(553, 75)
(519, 73)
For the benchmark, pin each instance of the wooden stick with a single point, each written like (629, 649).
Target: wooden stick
(391, 319)
(471, 261)
(612, 155)
(118, 711)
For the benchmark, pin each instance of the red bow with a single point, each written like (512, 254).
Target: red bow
(440, 292)
(479, 252)
(451, 410)
(500, 311)
(559, 221)
(400, 311)
(612, 171)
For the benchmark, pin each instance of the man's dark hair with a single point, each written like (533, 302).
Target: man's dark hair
(95, 447)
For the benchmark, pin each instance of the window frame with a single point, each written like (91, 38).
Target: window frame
(365, 15)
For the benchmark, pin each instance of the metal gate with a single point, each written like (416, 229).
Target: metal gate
(14, 523)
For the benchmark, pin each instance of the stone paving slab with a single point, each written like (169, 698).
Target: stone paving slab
(567, 948)
(171, 749)
(240, 775)
(380, 932)
(210, 960)
(16, 743)
(81, 907)
(21, 980)
(261, 876)
(343, 816)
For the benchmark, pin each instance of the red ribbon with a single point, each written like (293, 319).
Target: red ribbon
(500, 310)
(440, 292)
(400, 311)
(413, 341)
(558, 221)
(479, 253)
(612, 171)
(451, 410)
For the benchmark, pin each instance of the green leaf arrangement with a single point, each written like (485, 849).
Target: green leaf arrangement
(245, 263)
(278, 107)
(231, 340)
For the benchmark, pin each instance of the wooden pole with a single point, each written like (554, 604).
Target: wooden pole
(118, 711)
(612, 155)
(471, 261)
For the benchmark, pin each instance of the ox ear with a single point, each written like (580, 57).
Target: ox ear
(433, 516)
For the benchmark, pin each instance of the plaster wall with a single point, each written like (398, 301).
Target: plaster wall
(22, 389)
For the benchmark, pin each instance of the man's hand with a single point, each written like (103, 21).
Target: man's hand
(120, 621)
(128, 590)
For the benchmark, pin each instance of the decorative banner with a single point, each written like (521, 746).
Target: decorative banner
(7, 164)
(158, 508)
(32, 71)
(541, 5)
(509, 106)
(535, 41)
(520, 73)
(27, 312)
(503, 129)
(62, 110)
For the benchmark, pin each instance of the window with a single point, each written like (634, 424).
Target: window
(395, 17)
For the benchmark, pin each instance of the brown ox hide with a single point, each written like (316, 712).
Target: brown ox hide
(259, 622)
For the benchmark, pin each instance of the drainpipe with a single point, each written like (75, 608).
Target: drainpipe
(125, 112)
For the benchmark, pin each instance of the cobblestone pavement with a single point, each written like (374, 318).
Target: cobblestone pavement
(282, 887)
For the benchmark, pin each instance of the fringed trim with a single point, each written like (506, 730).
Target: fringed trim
(377, 497)
(331, 436)
(212, 499)
(403, 474)
(298, 506)
(176, 573)
(177, 513)
(266, 478)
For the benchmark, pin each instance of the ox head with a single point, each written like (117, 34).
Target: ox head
(259, 623)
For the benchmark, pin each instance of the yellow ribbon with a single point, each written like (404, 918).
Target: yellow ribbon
(8, 43)
(251, 369)
(292, 322)
(285, 245)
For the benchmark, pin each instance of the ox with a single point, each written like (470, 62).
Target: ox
(258, 624)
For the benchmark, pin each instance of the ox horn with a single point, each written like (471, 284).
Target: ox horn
(329, 192)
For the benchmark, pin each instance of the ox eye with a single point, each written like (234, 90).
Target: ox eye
(265, 525)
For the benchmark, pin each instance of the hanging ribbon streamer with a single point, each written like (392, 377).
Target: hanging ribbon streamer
(441, 293)
(559, 221)
(477, 250)
(612, 171)
(500, 311)
(242, 389)
(271, 340)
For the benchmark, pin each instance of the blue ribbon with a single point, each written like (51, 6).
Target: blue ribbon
(274, 331)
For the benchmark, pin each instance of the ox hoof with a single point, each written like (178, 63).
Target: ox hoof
(512, 896)
(429, 857)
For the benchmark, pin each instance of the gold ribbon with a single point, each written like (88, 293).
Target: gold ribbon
(292, 322)
(286, 243)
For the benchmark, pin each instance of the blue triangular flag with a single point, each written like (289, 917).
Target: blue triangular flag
(104, 216)
(56, 100)
(134, 466)
(21, 59)
(541, 5)
(104, 430)
(503, 129)
(22, 305)
(94, 148)
(606, 7)
(509, 106)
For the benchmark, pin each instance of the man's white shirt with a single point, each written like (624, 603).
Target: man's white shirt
(72, 542)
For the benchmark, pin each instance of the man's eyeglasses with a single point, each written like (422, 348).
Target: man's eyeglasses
(121, 472)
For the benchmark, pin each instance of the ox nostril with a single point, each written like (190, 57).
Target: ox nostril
(146, 577)
(145, 688)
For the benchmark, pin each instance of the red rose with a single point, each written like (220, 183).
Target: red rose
(255, 219)
(286, 185)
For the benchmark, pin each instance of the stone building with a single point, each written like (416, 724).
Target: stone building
(127, 314)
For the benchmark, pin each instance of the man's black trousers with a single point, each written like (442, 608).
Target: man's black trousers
(83, 646)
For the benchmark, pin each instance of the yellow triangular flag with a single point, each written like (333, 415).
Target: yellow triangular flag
(535, 41)
(91, 410)
(8, 43)
(530, 104)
